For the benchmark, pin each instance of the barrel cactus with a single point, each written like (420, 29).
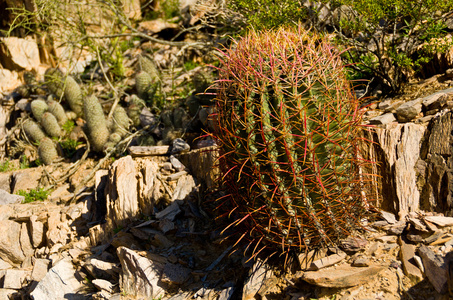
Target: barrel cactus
(288, 126)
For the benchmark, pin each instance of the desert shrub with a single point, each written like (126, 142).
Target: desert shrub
(268, 14)
(390, 39)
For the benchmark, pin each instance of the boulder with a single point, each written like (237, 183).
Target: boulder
(10, 248)
(19, 54)
(140, 275)
(60, 282)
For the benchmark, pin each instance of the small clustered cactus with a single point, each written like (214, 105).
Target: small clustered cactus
(96, 124)
(288, 126)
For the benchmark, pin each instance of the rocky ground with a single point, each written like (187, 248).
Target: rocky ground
(135, 221)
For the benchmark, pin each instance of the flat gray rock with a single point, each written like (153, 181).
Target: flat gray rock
(7, 198)
(383, 119)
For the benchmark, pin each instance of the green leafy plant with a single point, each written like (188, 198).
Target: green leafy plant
(34, 195)
(70, 147)
(266, 14)
(390, 40)
(288, 126)
(5, 166)
(24, 163)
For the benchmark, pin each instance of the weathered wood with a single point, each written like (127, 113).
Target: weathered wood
(148, 150)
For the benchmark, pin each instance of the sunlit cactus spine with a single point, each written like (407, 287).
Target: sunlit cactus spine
(33, 131)
(96, 124)
(288, 126)
(38, 108)
(47, 151)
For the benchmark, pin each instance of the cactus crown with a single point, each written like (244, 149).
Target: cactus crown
(288, 127)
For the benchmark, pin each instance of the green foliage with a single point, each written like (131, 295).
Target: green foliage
(69, 147)
(288, 126)
(24, 163)
(34, 195)
(170, 9)
(68, 126)
(5, 166)
(266, 14)
(391, 39)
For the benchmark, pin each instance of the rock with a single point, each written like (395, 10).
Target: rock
(14, 278)
(9, 80)
(4, 265)
(59, 283)
(418, 225)
(25, 242)
(400, 144)
(257, 276)
(383, 119)
(407, 253)
(179, 146)
(137, 151)
(305, 259)
(26, 179)
(140, 276)
(36, 232)
(436, 100)
(40, 268)
(121, 193)
(177, 164)
(169, 212)
(434, 269)
(327, 261)
(353, 244)
(7, 198)
(202, 164)
(155, 26)
(175, 274)
(343, 276)
(10, 250)
(389, 217)
(360, 261)
(440, 220)
(409, 110)
(102, 269)
(132, 9)
(8, 293)
(226, 294)
(5, 178)
(103, 285)
(184, 187)
(18, 54)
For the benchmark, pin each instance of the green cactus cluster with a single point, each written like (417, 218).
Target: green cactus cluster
(50, 124)
(134, 109)
(38, 108)
(47, 151)
(96, 124)
(288, 126)
(175, 122)
(146, 64)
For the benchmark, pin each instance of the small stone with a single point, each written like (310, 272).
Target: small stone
(169, 212)
(179, 146)
(13, 278)
(327, 261)
(258, 275)
(343, 276)
(440, 220)
(7, 198)
(409, 110)
(103, 285)
(387, 239)
(360, 261)
(40, 269)
(410, 269)
(166, 225)
(177, 164)
(175, 274)
(353, 244)
(383, 119)
(389, 217)
(418, 225)
(101, 269)
(434, 269)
